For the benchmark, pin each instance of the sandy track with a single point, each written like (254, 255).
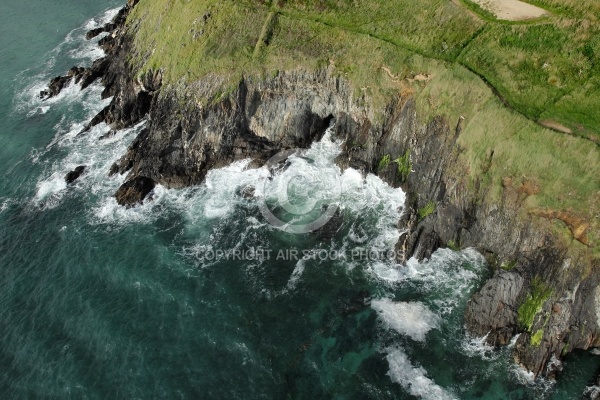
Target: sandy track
(511, 10)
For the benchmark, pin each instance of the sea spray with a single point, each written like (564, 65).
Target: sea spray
(413, 378)
(411, 319)
(74, 48)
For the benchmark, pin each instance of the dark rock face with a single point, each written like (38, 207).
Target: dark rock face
(55, 86)
(493, 311)
(134, 191)
(97, 70)
(184, 140)
(75, 174)
(566, 320)
(179, 147)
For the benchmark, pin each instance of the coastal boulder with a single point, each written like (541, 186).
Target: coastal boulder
(57, 84)
(75, 174)
(134, 191)
(93, 33)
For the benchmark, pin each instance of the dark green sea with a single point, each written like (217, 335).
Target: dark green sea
(100, 302)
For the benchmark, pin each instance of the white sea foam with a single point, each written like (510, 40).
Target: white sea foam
(524, 376)
(222, 184)
(478, 347)
(513, 341)
(200, 204)
(101, 20)
(528, 379)
(414, 378)
(410, 319)
(370, 196)
(296, 274)
(592, 392)
(360, 195)
(75, 48)
(449, 276)
(30, 102)
(84, 149)
(88, 50)
(554, 364)
(50, 187)
(6, 203)
(97, 155)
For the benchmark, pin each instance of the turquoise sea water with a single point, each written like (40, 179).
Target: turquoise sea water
(99, 302)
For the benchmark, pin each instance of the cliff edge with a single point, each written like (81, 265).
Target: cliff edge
(477, 171)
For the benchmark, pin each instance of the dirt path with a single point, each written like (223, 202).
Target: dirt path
(475, 16)
(555, 125)
(511, 10)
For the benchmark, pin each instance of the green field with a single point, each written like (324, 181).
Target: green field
(504, 78)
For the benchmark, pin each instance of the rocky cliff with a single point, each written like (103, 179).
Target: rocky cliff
(541, 288)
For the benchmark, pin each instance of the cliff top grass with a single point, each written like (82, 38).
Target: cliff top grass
(505, 78)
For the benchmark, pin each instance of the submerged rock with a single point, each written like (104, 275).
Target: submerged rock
(75, 174)
(108, 135)
(246, 192)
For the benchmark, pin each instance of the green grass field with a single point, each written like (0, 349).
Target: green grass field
(503, 78)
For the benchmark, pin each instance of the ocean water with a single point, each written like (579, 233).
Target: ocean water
(100, 302)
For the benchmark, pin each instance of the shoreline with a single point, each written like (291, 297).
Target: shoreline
(176, 152)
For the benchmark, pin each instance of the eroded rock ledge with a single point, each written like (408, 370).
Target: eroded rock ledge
(538, 289)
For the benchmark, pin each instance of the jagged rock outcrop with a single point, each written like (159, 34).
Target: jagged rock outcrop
(57, 84)
(540, 289)
(180, 146)
(72, 176)
(134, 191)
(117, 22)
(115, 47)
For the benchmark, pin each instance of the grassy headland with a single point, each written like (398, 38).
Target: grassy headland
(505, 78)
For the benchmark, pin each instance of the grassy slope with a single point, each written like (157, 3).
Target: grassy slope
(545, 70)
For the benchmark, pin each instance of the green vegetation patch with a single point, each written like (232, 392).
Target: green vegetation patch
(533, 304)
(426, 210)
(452, 245)
(384, 162)
(508, 265)
(539, 68)
(499, 81)
(536, 339)
(404, 165)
